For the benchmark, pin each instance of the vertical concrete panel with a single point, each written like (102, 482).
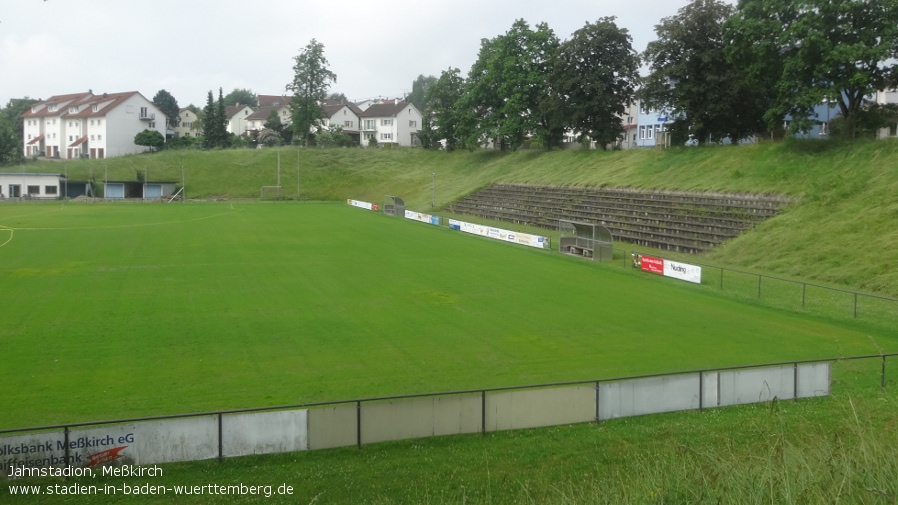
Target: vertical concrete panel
(540, 407)
(648, 396)
(173, 440)
(265, 432)
(757, 385)
(332, 427)
(419, 417)
(813, 380)
(710, 386)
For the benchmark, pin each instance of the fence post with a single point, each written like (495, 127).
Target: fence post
(855, 305)
(882, 375)
(67, 455)
(721, 279)
(804, 288)
(220, 440)
(598, 412)
(759, 287)
(358, 424)
(483, 412)
(701, 391)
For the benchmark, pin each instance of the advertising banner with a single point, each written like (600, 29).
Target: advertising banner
(683, 271)
(362, 205)
(667, 268)
(424, 218)
(653, 265)
(514, 237)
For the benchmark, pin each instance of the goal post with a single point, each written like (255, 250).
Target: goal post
(271, 193)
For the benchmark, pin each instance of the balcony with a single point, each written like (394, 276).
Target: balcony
(147, 116)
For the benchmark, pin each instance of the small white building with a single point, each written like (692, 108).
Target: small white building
(23, 185)
(393, 122)
(237, 117)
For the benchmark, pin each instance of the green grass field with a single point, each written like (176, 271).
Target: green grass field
(123, 310)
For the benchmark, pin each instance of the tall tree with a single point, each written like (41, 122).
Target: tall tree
(214, 130)
(595, 77)
(418, 96)
(507, 84)
(311, 81)
(222, 137)
(819, 50)
(441, 117)
(12, 130)
(242, 96)
(693, 81)
(169, 106)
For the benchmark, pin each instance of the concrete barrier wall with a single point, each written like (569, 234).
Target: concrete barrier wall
(264, 432)
(532, 408)
(333, 427)
(420, 417)
(196, 438)
(648, 396)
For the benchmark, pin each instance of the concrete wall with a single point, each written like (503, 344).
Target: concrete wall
(533, 408)
(420, 417)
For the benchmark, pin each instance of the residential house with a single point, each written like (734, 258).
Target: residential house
(190, 125)
(84, 124)
(650, 126)
(256, 121)
(237, 117)
(392, 122)
(885, 97)
(344, 115)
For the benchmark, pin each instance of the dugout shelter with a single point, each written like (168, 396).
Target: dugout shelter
(588, 240)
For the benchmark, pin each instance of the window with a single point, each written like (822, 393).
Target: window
(91, 122)
(386, 136)
(34, 190)
(152, 124)
(52, 108)
(642, 132)
(412, 124)
(99, 122)
(54, 135)
(49, 190)
(29, 136)
(73, 109)
(99, 137)
(344, 112)
(629, 119)
(348, 123)
(649, 132)
(70, 138)
(386, 122)
(369, 124)
(91, 137)
(144, 112)
(94, 107)
(643, 109)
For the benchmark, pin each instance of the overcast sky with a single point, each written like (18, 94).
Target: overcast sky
(188, 47)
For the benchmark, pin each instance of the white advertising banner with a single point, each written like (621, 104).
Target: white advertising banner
(514, 237)
(162, 441)
(362, 205)
(424, 218)
(683, 271)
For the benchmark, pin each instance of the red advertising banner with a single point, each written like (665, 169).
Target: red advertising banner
(652, 264)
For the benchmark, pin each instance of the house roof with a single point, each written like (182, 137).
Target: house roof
(58, 100)
(105, 103)
(263, 112)
(336, 105)
(233, 110)
(269, 100)
(36, 139)
(388, 109)
(79, 141)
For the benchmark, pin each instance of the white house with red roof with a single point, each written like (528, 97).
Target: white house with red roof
(390, 122)
(84, 124)
(237, 116)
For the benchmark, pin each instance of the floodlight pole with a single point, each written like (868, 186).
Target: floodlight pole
(433, 184)
(279, 166)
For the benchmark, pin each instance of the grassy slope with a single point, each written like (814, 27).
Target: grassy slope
(841, 231)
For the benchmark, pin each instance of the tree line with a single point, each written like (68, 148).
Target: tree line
(718, 71)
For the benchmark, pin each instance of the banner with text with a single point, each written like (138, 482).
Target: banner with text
(424, 218)
(362, 205)
(668, 268)
(514, 237)
(161, 441)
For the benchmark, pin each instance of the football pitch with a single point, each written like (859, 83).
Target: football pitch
(122, 310)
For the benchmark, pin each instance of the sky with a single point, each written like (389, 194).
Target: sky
(189, 47)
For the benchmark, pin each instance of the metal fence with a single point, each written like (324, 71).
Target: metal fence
(310, 426)
(793, 295)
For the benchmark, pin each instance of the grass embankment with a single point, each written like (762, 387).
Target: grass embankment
(840, 231)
